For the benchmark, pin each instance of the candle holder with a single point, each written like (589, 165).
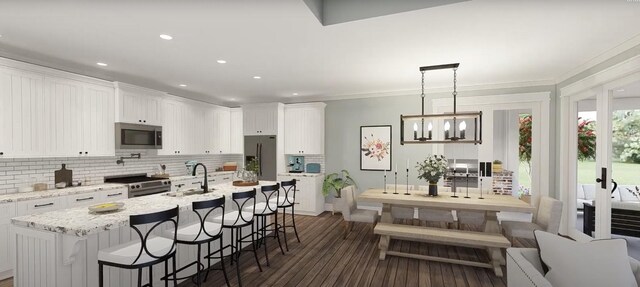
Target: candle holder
(385, 184)
(454, 191)
(407, 192)
(480, 190)
(467, 196)
(395, 183)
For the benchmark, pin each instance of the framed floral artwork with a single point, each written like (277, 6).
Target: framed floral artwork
(375, 147)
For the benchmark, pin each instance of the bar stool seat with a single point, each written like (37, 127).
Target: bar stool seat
(194, 232)
(127, 253)
(231, 218)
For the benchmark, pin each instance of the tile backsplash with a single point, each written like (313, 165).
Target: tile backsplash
(19, 172)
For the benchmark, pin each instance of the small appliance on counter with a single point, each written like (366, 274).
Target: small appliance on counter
(296, 164)
(313, 168)
(190, 164)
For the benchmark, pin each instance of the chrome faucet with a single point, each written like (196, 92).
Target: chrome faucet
(205, 185)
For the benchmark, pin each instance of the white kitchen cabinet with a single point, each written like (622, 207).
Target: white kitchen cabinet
(173, 132)
(22, 113)
(40, 205)
(304, 128)
(83, 199)
(97, 121)
(218, 128)
(113, 194)
(309, 199)
(236, 133)
(7, 244)
(261, 119)
(138, 105)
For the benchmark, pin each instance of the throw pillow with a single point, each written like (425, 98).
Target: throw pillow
(595, 263)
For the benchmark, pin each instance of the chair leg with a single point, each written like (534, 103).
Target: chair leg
(284, 228)
(232, 243)
(139, 277)
(264, 238)
(166, 271)
(345, 224)
(277, 231)
(293, 219)
(198, 282)
(237, 256)
(175, 276)
(100, 274)
(255, 247)
(224, 270)
(151, 275)
(209, 260)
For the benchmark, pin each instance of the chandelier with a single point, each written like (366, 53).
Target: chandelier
(456, 127)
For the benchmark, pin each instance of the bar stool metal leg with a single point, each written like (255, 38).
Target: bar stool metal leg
(293, 220)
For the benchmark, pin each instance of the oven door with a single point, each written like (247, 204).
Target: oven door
(132, 136)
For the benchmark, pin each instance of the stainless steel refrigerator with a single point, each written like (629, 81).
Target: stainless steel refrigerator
(263, 148)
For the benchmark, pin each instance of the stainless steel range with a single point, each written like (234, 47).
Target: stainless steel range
(141, 184)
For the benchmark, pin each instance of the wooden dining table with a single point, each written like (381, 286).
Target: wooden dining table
(490, 203)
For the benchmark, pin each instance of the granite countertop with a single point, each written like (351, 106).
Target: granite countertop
(187, 177)
(80, 222)
(301, 174)
(22, 196)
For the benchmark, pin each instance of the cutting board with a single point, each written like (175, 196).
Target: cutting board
(64, 175)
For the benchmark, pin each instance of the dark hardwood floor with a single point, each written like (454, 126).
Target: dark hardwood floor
(323, 258)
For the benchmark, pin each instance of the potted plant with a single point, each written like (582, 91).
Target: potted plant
(432, 169)
(497, 166)
(336, 182)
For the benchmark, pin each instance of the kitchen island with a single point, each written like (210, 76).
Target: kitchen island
(60, 248)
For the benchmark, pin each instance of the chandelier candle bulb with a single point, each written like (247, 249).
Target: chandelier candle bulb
(463, 127)
(447, 126)
(429, 128)
(415, 131)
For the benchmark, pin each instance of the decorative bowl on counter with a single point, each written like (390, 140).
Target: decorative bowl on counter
(106, 207)
(245, 183)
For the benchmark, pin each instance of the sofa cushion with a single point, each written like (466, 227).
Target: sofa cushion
(595, 263)
(589, 191)
(628, 205)
(626, 193)
(580, 192)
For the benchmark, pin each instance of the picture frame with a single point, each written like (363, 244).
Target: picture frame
(376, 147)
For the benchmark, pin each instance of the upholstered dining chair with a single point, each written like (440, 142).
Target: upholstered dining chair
(351, 213)
(443, 216)
(546, 217)
(399, 212)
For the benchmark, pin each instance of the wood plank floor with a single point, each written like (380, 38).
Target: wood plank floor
(323, 258)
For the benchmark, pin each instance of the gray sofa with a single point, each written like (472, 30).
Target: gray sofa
(586, 193)
(524, 268)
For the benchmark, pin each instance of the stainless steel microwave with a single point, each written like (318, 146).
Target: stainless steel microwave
(133, 136)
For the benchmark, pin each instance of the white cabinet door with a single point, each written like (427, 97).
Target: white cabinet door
(236, 135)
(22, 114)
(7, 246)
(138, 108)
(114, 194)
(84, 199)
(63, 134)
(40, 205)
(172, 132)
(223, 130)
(260, 119)
(304, 128)
(98, 121)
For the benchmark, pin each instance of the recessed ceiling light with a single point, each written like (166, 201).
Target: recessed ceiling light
(166, 37)
(183, 85)
(221, 61)
(232, 99)
(620, 90)
(257, 77)
(101, 64)
(295, 94)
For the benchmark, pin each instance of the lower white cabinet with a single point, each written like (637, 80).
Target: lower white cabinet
(309, 199)
(7, 211)
(41, 205)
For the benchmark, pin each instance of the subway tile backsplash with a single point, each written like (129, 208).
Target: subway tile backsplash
(19, 172)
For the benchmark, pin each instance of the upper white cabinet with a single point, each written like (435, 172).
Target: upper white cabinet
(174, 136)
(48, 116)
(304, 128)
(218, 130)
(236, 133)
(138, 105)
(261, 119)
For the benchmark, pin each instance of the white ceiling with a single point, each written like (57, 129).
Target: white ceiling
(496, 42)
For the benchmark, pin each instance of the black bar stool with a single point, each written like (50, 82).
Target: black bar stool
(264, 209)
(150, 250)
(201, 232)
(235, 221)
(287, 200)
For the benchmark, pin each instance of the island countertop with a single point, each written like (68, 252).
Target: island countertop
(22, 196)
(80, 222)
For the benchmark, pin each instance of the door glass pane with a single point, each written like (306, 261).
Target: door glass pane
(586, 165)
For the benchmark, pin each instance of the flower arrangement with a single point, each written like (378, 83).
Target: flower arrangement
(523, 190)
(432, 168)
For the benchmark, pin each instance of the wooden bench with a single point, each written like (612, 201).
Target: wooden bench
(493, 242)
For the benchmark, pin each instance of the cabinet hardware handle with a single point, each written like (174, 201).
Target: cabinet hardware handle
(86, 152)
(196, 182)
(83, 199)
(144, 121)
(80, 153)
(139, 121)
(114, 194)
(1, 153)
(42, 205)
(225, 178)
